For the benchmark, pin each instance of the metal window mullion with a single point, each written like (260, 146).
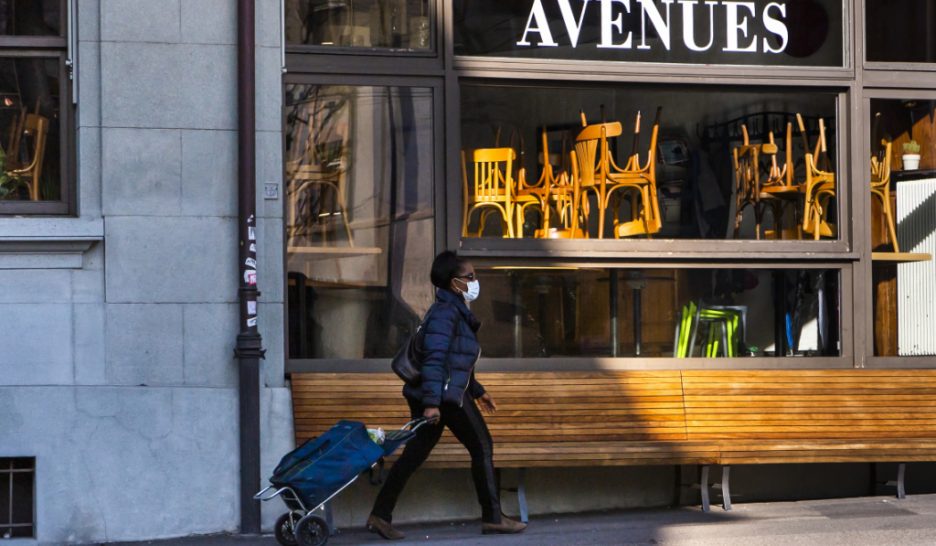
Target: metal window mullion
(282, 21)
(10, 505)
(71, 60)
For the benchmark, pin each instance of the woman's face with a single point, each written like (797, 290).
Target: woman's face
(465, 275)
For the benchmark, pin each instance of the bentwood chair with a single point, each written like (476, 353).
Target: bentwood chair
(745, 159)
(819, 189)
(35, 130)
(601, 176)
(638, 181)
(317, 192)
(591, 155)
(494, 191)
(559, 193)
(880, 188)
(779, 190)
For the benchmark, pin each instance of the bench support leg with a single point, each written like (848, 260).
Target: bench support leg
(704, 488)
(899, 483)
(521, 496)
(726, 487)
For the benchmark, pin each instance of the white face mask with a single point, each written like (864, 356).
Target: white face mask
(472, 291)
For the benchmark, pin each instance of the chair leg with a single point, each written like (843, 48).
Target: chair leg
(601, 212)
(889, 218)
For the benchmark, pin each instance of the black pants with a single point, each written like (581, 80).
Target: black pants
(468, 426)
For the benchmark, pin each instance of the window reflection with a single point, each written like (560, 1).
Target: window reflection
(31, 17)
(710, 313)
(359, 172)
(648, 162)
(30, 162)
(396, 24)
(901, 30)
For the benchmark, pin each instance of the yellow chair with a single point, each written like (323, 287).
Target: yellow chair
(880, 188)
(819, 189)
(639, 180)
(495, 190)
(779, 190)
(559, 193)
(591, 154)
(776, 190)
(36, 128)
(598, 174)
(745, 159)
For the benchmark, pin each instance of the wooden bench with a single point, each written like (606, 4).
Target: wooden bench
(637, 418)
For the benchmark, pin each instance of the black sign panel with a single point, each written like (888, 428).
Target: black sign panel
(725, 32)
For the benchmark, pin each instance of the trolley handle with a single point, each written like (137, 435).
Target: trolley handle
(260, 496)
(413, 425)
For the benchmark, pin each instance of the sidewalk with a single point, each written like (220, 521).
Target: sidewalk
(845, 522)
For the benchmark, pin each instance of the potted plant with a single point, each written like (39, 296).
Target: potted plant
(911, 156)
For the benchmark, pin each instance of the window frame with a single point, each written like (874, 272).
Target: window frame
(436, 85)
(900, 71)
(57, 48)
(843, 246)
(844, 360)
(848, 254)
(378, 52)
(864, 290)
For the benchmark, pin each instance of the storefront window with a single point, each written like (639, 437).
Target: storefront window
(678, 163)
(31, 17)
(380, 24)
(360, 166)
(29, 110)
(33, 84)
(801, 33)
(903, 226)
(684, 313)
(901, 31)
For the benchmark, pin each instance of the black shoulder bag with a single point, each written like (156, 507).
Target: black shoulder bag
(408, 361)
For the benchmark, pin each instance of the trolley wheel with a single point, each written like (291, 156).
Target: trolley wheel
(285, 529)
(312, 530)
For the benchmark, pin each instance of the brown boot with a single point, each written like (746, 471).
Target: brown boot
(505, 527)
(383, 528)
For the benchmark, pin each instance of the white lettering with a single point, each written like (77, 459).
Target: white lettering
(572, 26)
(609, 23)
(542, 26)
(777, 27)
(735, 27)
(688, 11)
(648, 8)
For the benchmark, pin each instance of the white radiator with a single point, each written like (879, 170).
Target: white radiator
(916, 281)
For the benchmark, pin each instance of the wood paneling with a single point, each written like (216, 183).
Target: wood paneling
(662, 417)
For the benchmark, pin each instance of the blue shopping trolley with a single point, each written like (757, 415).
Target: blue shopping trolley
(315, 472)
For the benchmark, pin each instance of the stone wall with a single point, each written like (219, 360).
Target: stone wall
(117, 371)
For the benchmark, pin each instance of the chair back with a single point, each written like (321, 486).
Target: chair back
(591, 151)
(881, 167)
(746, 161)
(493, 173)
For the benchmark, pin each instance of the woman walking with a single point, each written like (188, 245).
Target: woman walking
(447, 396)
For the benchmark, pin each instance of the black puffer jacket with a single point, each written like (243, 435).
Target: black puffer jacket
(449, 352)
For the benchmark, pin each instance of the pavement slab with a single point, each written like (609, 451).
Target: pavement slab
(847, 522)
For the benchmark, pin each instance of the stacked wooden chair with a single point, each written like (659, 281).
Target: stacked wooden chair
(636, 181)
(819, 187)
(880, 189)
(498, 186)
(495, 190)
(762, 182)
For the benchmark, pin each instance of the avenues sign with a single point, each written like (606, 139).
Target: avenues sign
(736, 26)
